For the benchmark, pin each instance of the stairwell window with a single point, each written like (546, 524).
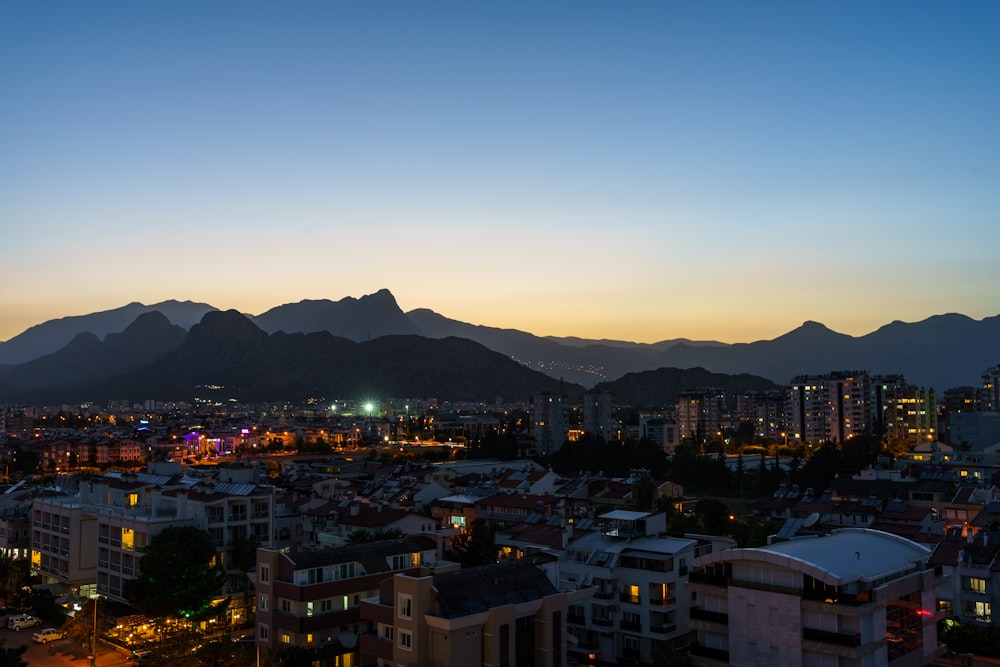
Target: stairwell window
(405, 606)
(405, 640)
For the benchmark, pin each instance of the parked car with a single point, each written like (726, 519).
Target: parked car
(21, 621)
(46, 635)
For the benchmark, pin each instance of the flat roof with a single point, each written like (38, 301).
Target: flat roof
(625, 515)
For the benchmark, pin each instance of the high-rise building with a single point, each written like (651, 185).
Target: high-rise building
(698, 413)
(848, 405)
(765, 410)
(911, 416)
(806, 408)
(597, 416)
(991, 389)
(549, 422)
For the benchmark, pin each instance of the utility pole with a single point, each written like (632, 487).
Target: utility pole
(93, 638)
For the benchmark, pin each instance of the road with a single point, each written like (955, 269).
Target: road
(61, 652)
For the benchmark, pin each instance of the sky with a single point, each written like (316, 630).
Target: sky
(637, 171)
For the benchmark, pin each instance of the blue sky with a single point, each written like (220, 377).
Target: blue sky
(638, 171)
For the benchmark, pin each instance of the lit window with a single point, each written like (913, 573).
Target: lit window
(286, 638)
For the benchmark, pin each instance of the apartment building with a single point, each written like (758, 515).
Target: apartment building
(312, 599)
(638, 573)
(765, 410)
(506, 614)
(848, 405)
(971, 562)
(64, 542)
(805, 409)
(853, 597)
(549, 422)
(910, 416)
(598, 416)
(698, 413)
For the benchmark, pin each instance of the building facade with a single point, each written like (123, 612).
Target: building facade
(853, 597)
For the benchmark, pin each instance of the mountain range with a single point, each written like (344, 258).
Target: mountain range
(314, 346)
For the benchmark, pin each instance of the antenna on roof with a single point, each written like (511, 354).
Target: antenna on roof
(811, 520)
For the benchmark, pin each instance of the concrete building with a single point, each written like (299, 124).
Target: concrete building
(312, 599)
(911, 416)
(991, 389)
(853, 597)
(638, 573)
(848, 405)
(64, 542)
(598, 416)
(549, 422)
(504, 614)
(661, 431)
(765, 410)
(698, 413)
(805, 410)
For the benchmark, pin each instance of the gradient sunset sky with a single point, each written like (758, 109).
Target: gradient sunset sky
(635, 170)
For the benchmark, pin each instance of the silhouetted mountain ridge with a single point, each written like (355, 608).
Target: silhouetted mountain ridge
(227, 356)
(941, 351)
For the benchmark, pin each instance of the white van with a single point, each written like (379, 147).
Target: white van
(21, 621)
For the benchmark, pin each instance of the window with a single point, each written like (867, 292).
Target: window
(131, 499)
(416, 558)
(405, 640)
(265, 574)
(309, 608)
(286, 606)
(405, 606)
(400, 562)
(387, 632)
(262, 602)
(977, 585)
(326, 605)
(286, 638)
(262, 632)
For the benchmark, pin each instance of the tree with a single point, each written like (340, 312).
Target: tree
(643, 492)
(80, 628)
(475, 546)
(713, 514)
(178, 575)
(11, 657)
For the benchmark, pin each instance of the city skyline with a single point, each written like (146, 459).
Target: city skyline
(641, 172)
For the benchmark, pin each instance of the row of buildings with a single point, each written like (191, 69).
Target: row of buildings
(583, 577)
(812, 409)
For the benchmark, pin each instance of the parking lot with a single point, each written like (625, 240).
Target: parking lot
(60, 652)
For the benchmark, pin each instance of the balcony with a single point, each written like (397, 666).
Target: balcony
(633, 626)
(662, 601)
(576, 619)
(700, 614)
(712, 653)
(848, 639)
(662, 628)
(604, 622)
(696, 577)
(836, 597)
(378, 647)
(629, 598)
